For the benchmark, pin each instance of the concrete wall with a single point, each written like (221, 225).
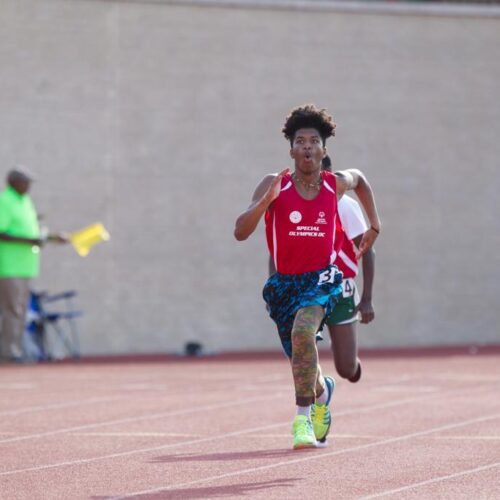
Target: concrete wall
(159, 120)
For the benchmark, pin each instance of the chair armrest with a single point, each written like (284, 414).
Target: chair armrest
(59, 296)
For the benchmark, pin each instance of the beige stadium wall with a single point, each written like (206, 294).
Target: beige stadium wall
(159, 119)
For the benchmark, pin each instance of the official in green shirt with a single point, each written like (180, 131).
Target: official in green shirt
(20, 245)
(18, 259)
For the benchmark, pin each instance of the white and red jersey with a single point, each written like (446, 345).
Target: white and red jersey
(301, 234)
(352, 224)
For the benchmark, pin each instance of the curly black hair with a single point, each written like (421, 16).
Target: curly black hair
(326, 163)
(309, 116)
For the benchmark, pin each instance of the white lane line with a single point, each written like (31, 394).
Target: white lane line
(466, 378)
(143, 387)
(17, 385)
(401, 388)
(336, 436)
(145, 417)
(57, 406)
(333, 435)
(134, 434)
(224, 377)
(470, 438)
(318, 456)
(432, 481)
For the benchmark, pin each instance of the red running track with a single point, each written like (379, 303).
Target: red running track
(425, 427)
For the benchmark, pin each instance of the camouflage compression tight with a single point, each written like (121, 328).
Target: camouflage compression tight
(305, 366)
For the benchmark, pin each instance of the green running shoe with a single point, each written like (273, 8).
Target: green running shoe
(320, 413)
(303, 434)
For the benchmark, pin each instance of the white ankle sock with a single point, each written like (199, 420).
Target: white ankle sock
(304, 410)
(324, 397)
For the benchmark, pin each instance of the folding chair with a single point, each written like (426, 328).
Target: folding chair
(54, 333)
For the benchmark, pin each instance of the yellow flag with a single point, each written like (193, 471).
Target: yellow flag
(87, 237)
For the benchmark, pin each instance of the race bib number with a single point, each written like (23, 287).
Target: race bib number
(327, 276)
(348, 288)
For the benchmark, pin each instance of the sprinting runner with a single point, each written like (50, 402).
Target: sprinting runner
(300, 211)
(342, 321)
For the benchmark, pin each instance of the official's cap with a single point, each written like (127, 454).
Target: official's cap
(20, 172)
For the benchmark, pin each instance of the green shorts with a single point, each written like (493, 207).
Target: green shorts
(344, 311)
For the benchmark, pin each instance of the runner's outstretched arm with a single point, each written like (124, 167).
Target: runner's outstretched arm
(265, 193)
(354, 179)
(365, 307)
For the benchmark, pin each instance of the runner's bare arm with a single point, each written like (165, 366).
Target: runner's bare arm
(265, 193)
(354, 179)
(365, 307)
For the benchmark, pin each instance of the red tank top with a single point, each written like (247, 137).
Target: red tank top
(301, 233)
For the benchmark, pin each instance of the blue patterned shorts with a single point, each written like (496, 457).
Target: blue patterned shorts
(285, 294)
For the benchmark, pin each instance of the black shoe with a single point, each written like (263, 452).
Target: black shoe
(355, 378)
